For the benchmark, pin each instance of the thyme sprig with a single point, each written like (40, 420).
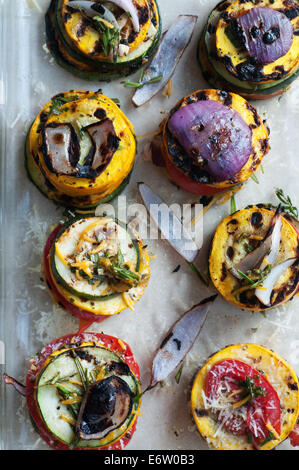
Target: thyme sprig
(287, 205)
(249, 388)
(141, 84)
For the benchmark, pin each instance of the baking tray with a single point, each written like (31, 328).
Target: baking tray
(28, 78)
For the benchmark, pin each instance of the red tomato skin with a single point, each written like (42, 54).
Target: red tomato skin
(188, 184)
(294, 436)
(239, 371)
(38, 362)
(77, 312)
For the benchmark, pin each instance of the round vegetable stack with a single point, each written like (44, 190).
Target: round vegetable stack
(213, 141)
(103, 40)
(244, 398)
(80, 149)
(96, 267)
(83, 392)
(251, 47)
(254, 260)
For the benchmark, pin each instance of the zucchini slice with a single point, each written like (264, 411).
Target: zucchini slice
(65, 246)
(80, 116)
(217, 50)
(277, 372)
(235, 236)
(76, 44)
(95, 371)
(98, 294)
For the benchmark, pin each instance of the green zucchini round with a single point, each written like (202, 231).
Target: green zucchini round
(63, 275)
(221, 78)
(54, 386)
(98, 70)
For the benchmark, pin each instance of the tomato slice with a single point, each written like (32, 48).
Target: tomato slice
(189, 185)
(83, 315)
(37, 364)
(263, 410)
(294, 436)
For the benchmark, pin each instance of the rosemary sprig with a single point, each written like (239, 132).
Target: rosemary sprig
(58, 102)
(141, 84)
(254, 178)
(194, 268)
(287, 203)
(179, 374)
(233, 206)
(80, 370)
(110, 36)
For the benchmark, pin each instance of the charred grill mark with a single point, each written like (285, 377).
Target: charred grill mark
(293, 386)
(82, 27)
(256, 219)
(264, 145)
(291, 12)
(223, 6)
(120, 368)
(98, 48)
(100, 113)
(232, 226)
(132, 36)
(201, 413)
(226, 97)
(230, 252)
(248, 298)
(143, 15)
(201, 96)
(84, 355)
(182, 161)
(223, 272)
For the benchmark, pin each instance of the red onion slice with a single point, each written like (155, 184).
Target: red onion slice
(267, 34)
(267, 250)
(171, 49)
(95, 8)
(179, 341)
(92, 9)
(214, 136)
(264, 294)
(17, 385)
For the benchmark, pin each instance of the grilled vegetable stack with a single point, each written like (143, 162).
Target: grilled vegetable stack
(213, 141)
(80, 149)
(254, 260)
(96, 267)
(83, 392)
(251, 47)
(244, 398)
(103, 40)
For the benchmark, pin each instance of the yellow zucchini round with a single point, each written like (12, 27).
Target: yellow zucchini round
(283, 67)
(86, 38)
(229, 247)
(280, 375)
(78, 105)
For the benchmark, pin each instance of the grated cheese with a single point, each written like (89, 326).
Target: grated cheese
(127, 299)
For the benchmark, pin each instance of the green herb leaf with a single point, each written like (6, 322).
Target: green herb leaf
(233, 206)
(287, 203)
(254, 178)
(179, 374)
